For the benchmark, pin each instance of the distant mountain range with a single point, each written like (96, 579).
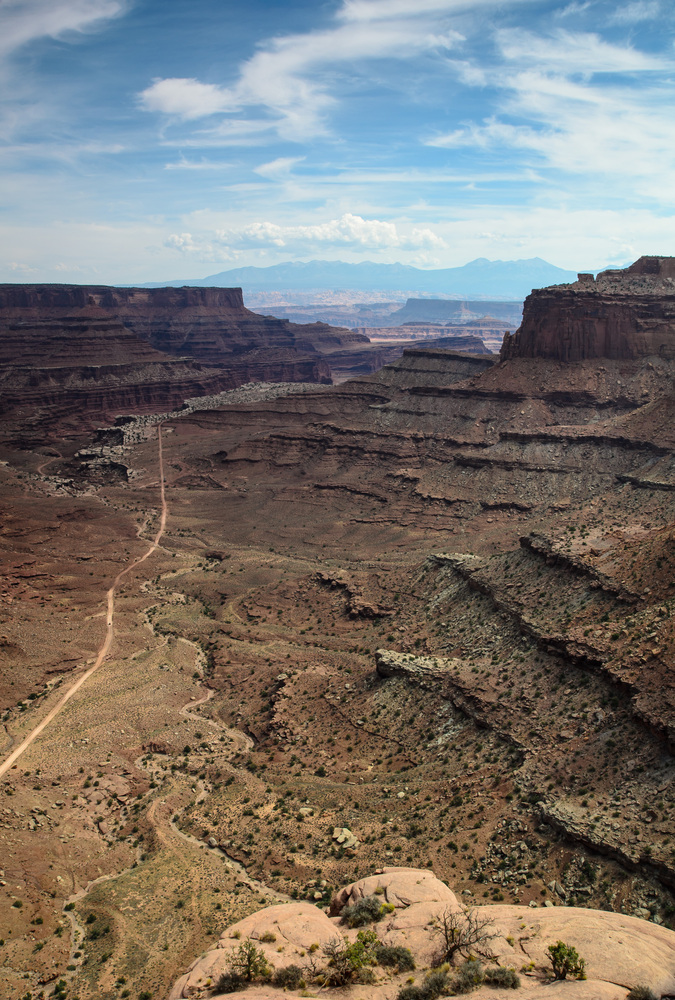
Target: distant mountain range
(479, 279)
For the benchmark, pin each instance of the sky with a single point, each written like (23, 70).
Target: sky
(150, 140)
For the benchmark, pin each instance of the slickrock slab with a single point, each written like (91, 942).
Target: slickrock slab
(620, 951)
(293, 927)
(617, 948)
(401, 886)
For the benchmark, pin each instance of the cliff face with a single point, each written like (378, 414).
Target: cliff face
(621, 315)
(210, 324)
(96, 351)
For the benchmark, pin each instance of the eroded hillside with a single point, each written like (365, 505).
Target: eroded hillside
(422, 617)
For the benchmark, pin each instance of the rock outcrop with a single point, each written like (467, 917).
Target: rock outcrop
(620, 952)
(621, 315)
(96, 351)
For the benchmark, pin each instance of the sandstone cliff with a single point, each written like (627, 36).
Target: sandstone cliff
(621, 315)
(93, 352)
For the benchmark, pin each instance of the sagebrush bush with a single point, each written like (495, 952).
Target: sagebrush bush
(641, 993)
(230, 982)
(411, 993)
(434, 984)
(469, 975)
(365, 911)
(395, 956)
(289, 978)
(497, 976)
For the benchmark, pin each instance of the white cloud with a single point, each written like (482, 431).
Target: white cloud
(571, 122)
(379, 10)
(279, 168)
(186, 98)
(284, 83)
(202, 164)
(348, 230)
(573, 53)
(633, 13)
(23, 21)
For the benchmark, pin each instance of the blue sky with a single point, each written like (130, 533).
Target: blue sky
(145, 140)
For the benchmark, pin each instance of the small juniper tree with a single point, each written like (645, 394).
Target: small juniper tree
(565, 961)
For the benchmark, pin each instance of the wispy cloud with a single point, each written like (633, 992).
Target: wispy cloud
(287, 76)
(572, 53)
(183, 164)
(23, 21)
(634, 13)
(577, 109)
(278, 169)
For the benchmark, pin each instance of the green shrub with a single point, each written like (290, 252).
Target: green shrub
(395, 956)
(497, 976)
(230, 982)
(411, 993)
(365, 911)
(289, 978)
(348, 963)
(641, 993)
(565, 961)
(469, 975)
(435, 983)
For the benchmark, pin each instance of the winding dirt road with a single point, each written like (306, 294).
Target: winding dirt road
(105, 648)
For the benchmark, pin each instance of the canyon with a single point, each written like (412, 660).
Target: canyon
(427, 610)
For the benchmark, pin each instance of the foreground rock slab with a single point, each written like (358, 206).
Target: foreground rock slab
(620, 952)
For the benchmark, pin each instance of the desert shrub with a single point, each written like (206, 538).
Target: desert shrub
(396, 956)
(365, 911)
(411, 993)
(641, 993)
(289, 978)
(497, 976)
(268, 937)
(469, 975)
(229, 982)
(464, 933)
(434, 984)
(349, 963)
(565, 961)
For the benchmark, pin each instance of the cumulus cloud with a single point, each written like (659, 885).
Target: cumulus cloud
(23, 21)
(347, 231)
(187, 98)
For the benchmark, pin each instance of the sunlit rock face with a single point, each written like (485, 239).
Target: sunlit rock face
(623, 314)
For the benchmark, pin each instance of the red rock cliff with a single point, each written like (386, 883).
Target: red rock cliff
(210, 324)
(621, 314)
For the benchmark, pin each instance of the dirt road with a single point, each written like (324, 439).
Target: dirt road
(105, 648)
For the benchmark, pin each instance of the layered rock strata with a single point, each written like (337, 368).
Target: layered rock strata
(91, 352)
(621, 315)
